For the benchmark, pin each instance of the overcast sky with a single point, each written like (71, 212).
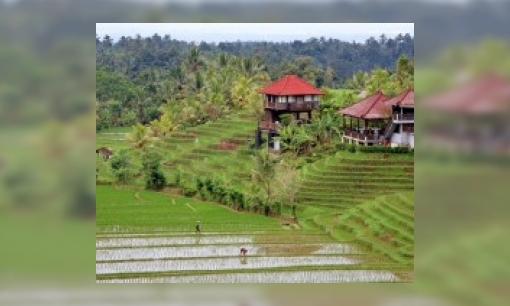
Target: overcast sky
(217, 32)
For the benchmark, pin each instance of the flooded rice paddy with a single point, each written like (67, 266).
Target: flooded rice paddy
(336, 276)
(219, 264)
(187, 257)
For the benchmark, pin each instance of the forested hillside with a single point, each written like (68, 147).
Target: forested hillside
(174, 84)
(334, 60)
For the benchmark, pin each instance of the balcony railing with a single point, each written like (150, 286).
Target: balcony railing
(403, 117)
(294, 106)
(361, 136)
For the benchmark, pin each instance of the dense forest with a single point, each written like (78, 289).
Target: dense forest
(143, 80)
(337, 60)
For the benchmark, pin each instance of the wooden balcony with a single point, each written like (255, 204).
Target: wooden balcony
(268, 126)
(293, 107)
(403, 117)
(361, 137)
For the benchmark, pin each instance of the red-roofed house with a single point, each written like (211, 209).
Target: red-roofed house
(379, 113)
(288, 95)
(374, 112)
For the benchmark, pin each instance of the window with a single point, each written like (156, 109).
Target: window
(283, 99)
(315, 98)
(308, 98)
(292, 98)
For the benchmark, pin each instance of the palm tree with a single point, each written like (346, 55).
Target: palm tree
(358, 81)
(163, 126)
(195, 61)
(263, 174)
(404, 75)
(302, 140)
(286, 135)
(377, 80)
(243, 91)
(139, 137)
(324, 127)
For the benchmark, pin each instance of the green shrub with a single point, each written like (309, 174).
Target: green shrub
(341, 146)
(209, 185)
(199, 183)
(177, 178)
(243, 151)
(203, 194)
(351, 148)
(219, 193)
(155, 180)
(382, 149)
(189, 190)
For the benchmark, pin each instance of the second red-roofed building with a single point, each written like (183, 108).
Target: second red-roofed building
(378, 119)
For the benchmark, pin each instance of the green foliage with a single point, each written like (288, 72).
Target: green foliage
(383, 149)
(352, 148)
(390, 83)
(121, 167)
(154, 177)
(177, 178)
(188, 189)
(335, 99)
(316, 60)
(341, 146)
(287, 182)
(113, 86)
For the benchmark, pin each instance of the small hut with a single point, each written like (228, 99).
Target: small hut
(104, 152)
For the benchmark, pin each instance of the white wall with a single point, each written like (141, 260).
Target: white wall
(276, 145)
(402, 139)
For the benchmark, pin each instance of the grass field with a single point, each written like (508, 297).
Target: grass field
(145, 236)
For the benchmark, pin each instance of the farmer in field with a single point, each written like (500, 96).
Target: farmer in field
(197, 227)
(243, 252)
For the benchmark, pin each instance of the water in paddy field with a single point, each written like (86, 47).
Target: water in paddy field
(183, 254)
(155, 241)
(219, 264)
(337, 276)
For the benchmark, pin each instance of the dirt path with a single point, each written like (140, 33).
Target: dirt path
(191, 207)
(138, 197)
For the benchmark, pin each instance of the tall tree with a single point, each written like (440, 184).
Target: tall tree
(263, 174)
(287, 184)
(139, 137)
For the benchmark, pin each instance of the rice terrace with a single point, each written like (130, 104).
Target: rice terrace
(224, 164)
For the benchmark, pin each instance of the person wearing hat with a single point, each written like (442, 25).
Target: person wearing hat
(197, 227)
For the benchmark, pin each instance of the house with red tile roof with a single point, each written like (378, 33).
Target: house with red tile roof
(288, 95)
(383, 119)
(373, 112)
